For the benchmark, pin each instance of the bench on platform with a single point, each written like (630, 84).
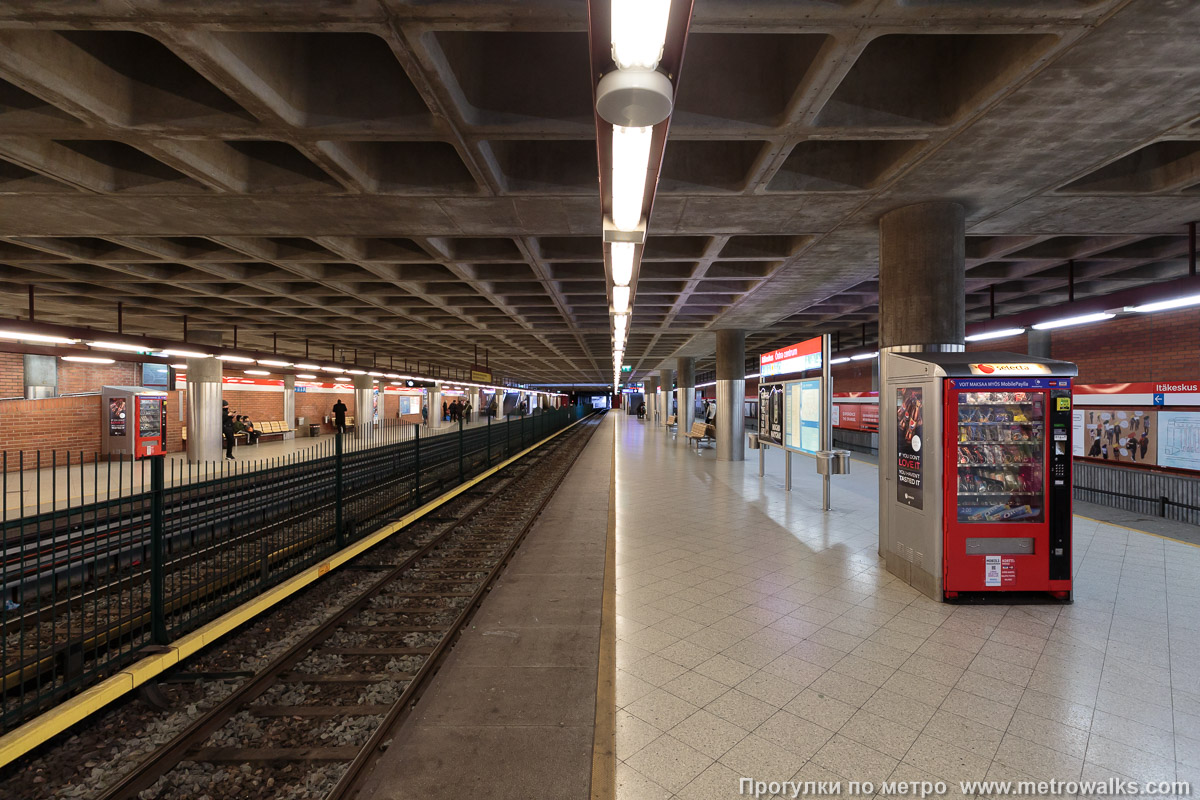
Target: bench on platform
(699, 432)
(671, 421)
(272, 428)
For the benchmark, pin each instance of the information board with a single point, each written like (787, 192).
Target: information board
(1179, 439)
(794, 358)
(803, 414)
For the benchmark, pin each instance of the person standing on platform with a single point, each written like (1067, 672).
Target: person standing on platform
(445, 411)
(227, 431)
(467, 413)
(712, 414)
(339, 415)
(425, 414)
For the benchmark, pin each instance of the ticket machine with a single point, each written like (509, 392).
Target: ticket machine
(134, 420)
(975, 473)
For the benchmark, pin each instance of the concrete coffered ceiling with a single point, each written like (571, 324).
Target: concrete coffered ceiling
(415, 178)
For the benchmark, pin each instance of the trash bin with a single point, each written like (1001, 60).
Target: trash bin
(752, 441)
(833, 462)
(314, 430)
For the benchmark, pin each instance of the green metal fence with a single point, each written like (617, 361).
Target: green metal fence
(89, 584)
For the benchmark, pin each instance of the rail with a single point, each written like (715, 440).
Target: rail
(90, 587)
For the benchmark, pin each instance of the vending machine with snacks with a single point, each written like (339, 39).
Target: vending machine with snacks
(134, 422)
(979, 452)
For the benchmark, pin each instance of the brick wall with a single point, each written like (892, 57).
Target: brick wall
(853, 376)
(263, 406)
(316, 405)
(1141, 347)
(52, 425)
(76, 376)
(12, 375)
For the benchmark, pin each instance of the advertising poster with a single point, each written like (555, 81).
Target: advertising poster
(910, 428)
(375, 405)
(770, 414)
(1180, 435)
(116, 416)
(1120, 435)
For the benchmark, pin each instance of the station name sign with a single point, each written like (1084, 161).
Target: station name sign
(793, 358)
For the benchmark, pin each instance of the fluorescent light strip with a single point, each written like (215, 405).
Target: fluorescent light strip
(621, 255)
(237, 359)
(307, 377)
(1000, 334)
(639, 31)
(267, 363)
(88, 359)
(36, 337)
(862, 356)
(842, 360)
(621, 299)
(1083, 319)
(256, 372)
(1166, 305)
(631, 157)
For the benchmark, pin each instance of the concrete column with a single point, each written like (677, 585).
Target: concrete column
(1039, 343)
(685, 394)
(364, 415)
(731, 395)
(922, 273)
(650, 390)
(476, 404)
(666, 379)
(289, 404)
(922, 307)
(41, 376)
(204, 441)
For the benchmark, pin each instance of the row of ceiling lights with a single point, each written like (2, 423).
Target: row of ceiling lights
(144, 349)
(638, 34)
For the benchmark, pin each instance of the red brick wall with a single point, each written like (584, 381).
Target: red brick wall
(12, 375)
(1141, 347)
(263, 406)
(315, 406)
(853, 376)
(76, 376)
(52, 425)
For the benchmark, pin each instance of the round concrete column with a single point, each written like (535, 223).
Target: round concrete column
(666, 377)
(364, 412)
(685, 395)
(731, 395)
(289, 404)
(650, 390)
(204, 441)
(922, 273)
(433, 398)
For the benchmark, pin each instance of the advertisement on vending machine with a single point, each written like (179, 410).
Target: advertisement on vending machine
(770, 414)
(910, 421)
(116, 416)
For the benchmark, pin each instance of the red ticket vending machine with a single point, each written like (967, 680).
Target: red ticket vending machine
(135, 421)
(975, 473)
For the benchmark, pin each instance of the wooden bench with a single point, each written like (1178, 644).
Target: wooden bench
(272, 428)
(699, 432)
(671, 421)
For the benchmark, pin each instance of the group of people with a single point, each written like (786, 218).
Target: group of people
(232, 424)
(459, 410)
(708, 414)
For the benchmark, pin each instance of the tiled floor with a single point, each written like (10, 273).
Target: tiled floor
(758, 637)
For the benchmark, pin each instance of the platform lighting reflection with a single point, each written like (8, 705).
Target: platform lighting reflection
(1082, 319)
(841, 360)
(1166, 305)
(179, 366)
(863, 356)
(36, 337)
(128, 348)
(89, 359)
(639, 29)
(631, 156)
(1001, 334)
(621, 255)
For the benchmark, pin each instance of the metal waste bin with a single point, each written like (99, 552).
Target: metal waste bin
(314, 430)
(833, 462)
(752, 441)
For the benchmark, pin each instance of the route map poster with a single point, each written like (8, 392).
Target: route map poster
(910, 427)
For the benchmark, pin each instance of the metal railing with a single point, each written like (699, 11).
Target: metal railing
(90, 582)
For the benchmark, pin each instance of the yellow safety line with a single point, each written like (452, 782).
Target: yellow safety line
(604, 741)
(20, 741)
(1138, 530)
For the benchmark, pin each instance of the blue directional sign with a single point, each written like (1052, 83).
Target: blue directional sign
(1160, 399)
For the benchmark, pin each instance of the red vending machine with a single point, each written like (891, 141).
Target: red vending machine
(975, 473)
(135, 421)
(1008, 511)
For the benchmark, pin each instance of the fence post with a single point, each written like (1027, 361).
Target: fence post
(460, 449)
(417, 464)
(158, 548)
(337, 490)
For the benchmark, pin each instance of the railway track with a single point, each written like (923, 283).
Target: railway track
(88, 611)
(318, 713)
